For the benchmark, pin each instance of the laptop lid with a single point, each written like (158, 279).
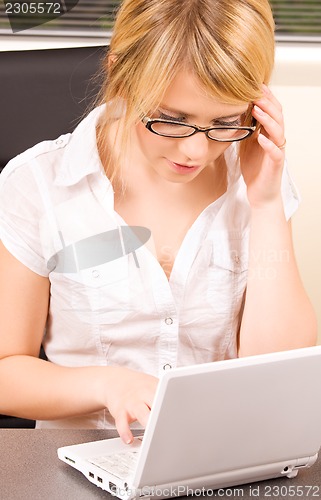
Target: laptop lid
(221, 424)
(218, 419)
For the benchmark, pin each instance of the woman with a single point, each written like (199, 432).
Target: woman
(158, 233)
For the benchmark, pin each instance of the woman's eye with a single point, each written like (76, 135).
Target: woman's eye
(234, 123)
(163, 116)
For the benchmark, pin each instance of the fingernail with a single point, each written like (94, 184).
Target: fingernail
(127, 439)
(263, 139)
(258, 110)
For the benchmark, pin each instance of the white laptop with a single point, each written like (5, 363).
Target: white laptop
(216, 425)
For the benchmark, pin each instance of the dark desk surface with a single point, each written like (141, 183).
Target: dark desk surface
(30, 469)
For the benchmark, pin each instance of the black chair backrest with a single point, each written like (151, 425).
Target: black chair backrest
(44, 93)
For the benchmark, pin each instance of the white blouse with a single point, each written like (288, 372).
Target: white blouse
(111, 302)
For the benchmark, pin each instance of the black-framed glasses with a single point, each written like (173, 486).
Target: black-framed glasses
(178, 130)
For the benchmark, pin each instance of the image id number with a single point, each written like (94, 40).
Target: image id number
(292, 491)
(33, 8)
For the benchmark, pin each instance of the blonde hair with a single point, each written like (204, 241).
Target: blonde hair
(228, 44)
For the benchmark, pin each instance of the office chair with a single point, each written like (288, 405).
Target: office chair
(43, 94)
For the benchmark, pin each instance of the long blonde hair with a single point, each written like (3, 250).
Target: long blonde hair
(228, 44)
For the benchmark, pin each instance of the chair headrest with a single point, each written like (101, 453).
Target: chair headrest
(45, 93)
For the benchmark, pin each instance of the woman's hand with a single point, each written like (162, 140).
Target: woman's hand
(262, 155)
(129, 397)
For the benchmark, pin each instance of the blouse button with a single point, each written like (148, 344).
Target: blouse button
(237, 259)
(59, 141)
(95, 274)
(168, 321)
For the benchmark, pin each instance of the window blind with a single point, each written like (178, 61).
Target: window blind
(294, 18)
(297, 17)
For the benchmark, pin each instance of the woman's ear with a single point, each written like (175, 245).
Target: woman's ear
(111, 58)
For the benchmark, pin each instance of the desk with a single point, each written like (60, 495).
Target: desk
(31, 470)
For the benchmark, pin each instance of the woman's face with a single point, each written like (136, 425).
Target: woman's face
(181, 160)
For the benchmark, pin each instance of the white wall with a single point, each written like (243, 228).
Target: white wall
(22, 41)
(297, 84)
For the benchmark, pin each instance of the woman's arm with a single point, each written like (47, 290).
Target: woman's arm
(277, 313)
(37, 389)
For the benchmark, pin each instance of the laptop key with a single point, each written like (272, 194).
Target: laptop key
(120, 464)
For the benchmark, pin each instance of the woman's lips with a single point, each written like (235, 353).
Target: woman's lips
(182, 169)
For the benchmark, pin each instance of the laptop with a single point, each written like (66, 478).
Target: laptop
(215, 425)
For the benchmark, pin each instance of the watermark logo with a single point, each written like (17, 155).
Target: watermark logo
(178, 491)
(26, 14)
(99, 249)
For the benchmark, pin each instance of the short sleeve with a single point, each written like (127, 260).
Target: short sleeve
(20, 214)
(290, 194)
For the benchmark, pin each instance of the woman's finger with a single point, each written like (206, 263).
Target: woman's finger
(274, 130)
(142, 412)
(276, 154)
(271, 110)
(122, 421)
(268, 94)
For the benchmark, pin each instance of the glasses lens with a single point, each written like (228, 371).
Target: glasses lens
(228, 134)
(171, 129)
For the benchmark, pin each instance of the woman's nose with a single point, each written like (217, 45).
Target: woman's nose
(194, 147)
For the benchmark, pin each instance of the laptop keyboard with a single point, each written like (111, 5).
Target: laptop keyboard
(120, 464)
